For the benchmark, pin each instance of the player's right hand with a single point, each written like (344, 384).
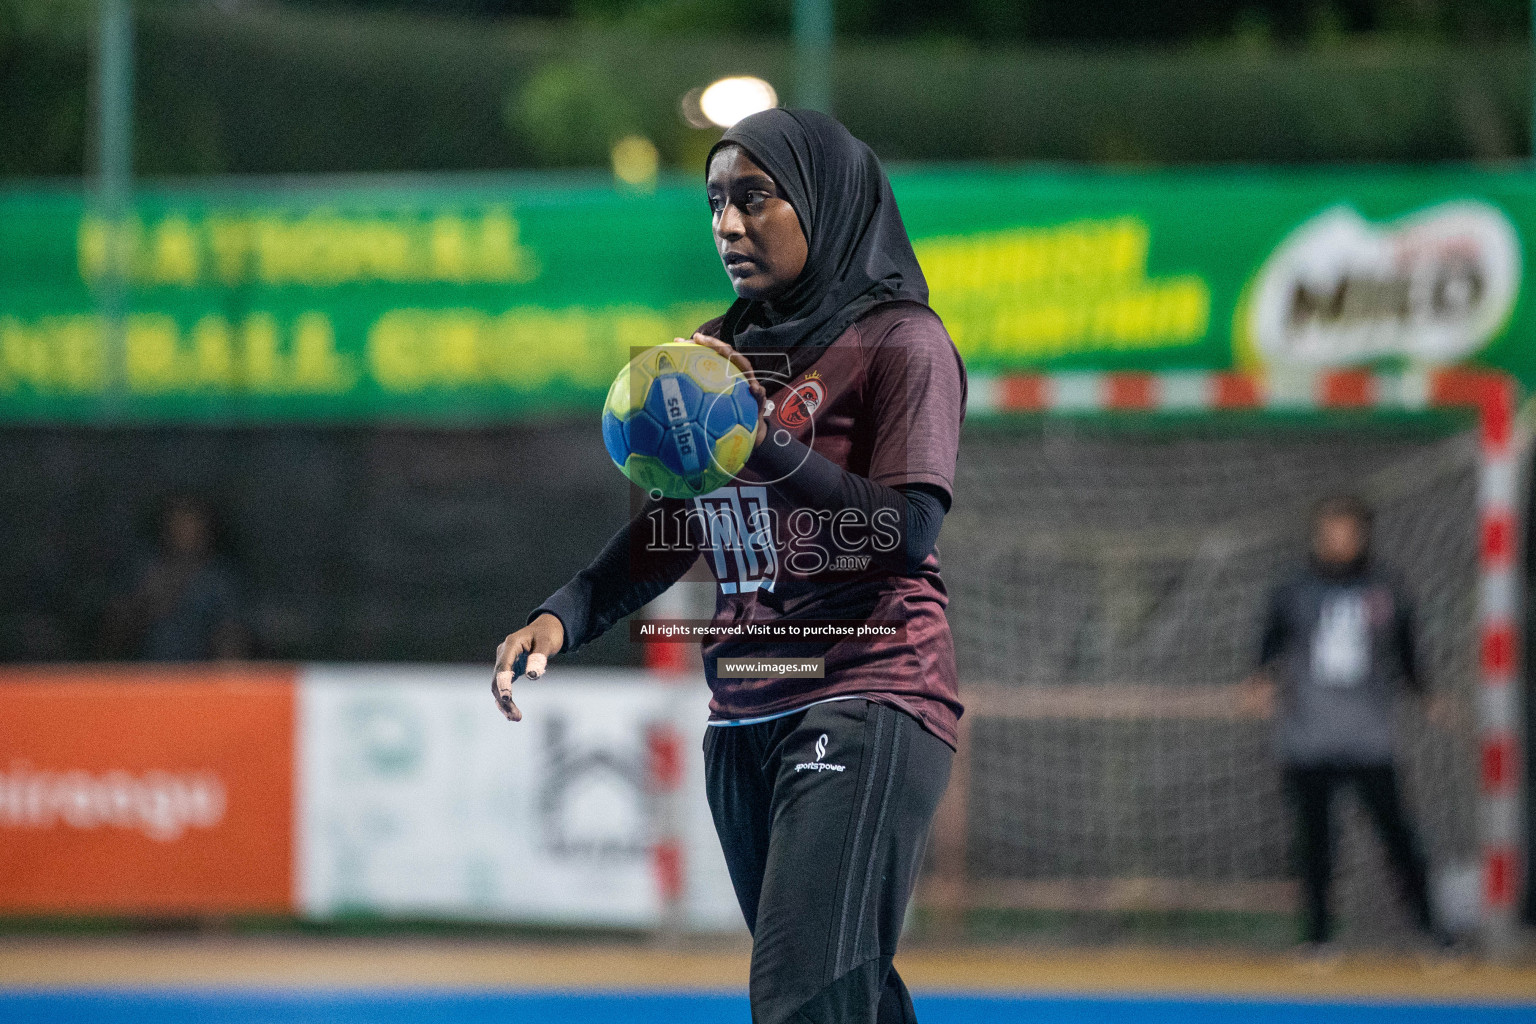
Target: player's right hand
(526, 651)
(736, 359)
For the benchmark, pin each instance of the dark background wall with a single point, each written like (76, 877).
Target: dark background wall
(354, 544)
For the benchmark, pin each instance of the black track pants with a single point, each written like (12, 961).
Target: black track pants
(1312, 788)
(823, 816)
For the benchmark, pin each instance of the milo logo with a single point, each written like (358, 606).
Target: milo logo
(1433, 287)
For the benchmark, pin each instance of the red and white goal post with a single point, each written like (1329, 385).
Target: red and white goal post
(1492, 398)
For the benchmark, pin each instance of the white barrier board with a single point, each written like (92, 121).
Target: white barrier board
(416, 798)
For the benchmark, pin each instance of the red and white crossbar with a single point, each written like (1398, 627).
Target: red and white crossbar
(1493, 397)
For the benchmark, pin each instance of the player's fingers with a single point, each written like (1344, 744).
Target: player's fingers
(508, 707)
(510, 658)
(764, 406)
(507, 653)
(536, 664)
(503, 691)
(714, 344)
(737, 359)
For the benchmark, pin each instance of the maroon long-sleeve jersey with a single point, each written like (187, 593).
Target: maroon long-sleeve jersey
(885, 401)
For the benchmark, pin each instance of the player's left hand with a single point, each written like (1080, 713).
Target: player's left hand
(740, 362)
(525, 652)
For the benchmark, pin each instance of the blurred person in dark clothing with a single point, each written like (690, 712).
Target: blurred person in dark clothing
(182, 603)
(1338, 644)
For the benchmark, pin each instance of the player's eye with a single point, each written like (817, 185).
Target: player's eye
(757, 197)
(716, 203)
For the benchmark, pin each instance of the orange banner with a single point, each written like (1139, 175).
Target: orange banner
(163, 790)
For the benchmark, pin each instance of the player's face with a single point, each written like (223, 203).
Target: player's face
(757, 232)
(1338, 539)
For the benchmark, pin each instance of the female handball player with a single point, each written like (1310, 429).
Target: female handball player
(822, 789)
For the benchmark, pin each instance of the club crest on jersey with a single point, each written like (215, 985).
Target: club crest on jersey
(800, 404)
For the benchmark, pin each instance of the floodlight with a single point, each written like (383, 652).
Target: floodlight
(730, 99)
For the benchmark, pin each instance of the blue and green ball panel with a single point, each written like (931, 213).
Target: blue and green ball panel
(679, 421)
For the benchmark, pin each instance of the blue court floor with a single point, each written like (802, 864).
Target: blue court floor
(457, 1007)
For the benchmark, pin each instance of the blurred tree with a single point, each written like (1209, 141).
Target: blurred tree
(26, 17)
(769, 17)
(490, 8)
(1035, 20)
(571, 113)
(265, 87)
(1170, 20)
(1000, 20)
(42, 84)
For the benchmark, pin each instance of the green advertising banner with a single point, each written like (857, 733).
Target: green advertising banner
(471, 299)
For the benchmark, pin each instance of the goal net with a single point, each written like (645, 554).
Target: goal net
(1107, 578)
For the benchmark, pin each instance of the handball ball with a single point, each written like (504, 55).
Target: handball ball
(679, 420)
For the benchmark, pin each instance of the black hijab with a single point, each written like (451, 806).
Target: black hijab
(858, 252)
